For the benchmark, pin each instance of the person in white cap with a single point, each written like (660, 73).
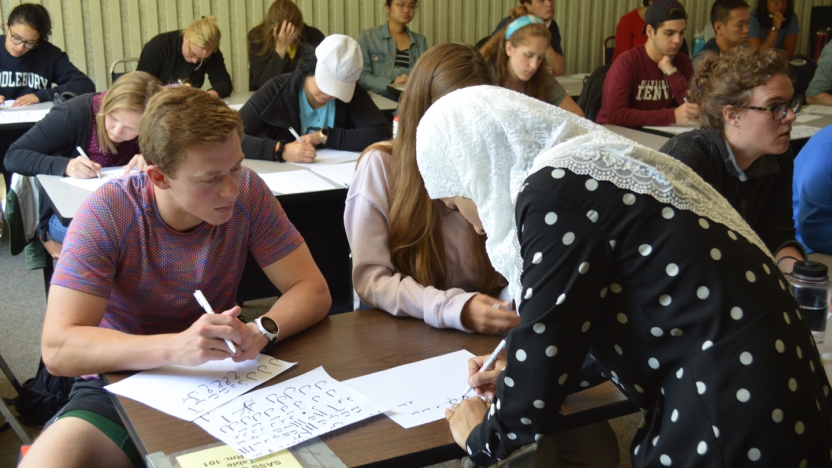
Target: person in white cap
(321, 101)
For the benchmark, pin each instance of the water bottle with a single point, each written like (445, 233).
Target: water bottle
(698, 42)
(811, 287)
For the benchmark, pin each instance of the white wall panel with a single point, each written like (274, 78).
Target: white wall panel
(96, 32)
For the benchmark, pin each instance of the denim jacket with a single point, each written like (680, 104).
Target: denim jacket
(379, 52)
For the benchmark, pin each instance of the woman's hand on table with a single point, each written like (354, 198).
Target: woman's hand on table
(82, 168)
(485, 314)
(463, 418)
(137, 164)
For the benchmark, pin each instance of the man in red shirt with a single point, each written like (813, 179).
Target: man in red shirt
(647, 83)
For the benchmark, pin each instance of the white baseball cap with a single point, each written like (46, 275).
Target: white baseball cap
(339, 66)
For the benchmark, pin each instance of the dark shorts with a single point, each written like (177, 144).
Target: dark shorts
(89, 401)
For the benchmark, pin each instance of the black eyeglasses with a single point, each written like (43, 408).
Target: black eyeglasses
(17, 40)
(779, 111)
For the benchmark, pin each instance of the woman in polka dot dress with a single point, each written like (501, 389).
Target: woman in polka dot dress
(625, 253)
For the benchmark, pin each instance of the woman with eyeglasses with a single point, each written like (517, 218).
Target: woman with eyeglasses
(30, 65)
(774, 26)
(187, 56)
(747, 107)
(390, 50)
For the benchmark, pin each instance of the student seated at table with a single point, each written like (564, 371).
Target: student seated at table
(730, 21)
(436, 269)
(620, 251)
(105, 125)
(647, 84)
(32, 69)
(390, 50)
(811, 190)
(320, 101)
(122, 292)
(742, 148)
(774, 26)
(545, 10)
(630, 30)
(515, 55)
(187, 56)
(276, 44)
(819, 90)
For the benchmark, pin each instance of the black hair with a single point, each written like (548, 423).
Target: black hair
(762, 13)
(721, 11)
(646, 3)
(674, 11)
(307, 60)
(34, 16)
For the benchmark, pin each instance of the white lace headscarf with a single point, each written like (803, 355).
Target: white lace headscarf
(482, 143)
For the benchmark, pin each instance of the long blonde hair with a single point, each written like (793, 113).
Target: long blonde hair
(417, 248)
(205, 33)
(494, 52)
(263, 33)
(130, 92)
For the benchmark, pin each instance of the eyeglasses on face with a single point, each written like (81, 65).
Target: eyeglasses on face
(17, 40)
(193, 56)
(779, 111)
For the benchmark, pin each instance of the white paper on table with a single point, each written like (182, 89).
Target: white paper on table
(284, 183)
(817, 109)
(567, 79)
(7, 104)
(274, 418)
(675, 129)
(579, 76)
(236, 107)
(340, 174)
(190, 391)
(418, 393)
(328, 156)
(803, 131)
(93, 184)
(17, 116)
(803, 118)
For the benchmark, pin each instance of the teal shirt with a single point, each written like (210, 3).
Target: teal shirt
(379, 52)
(312, 120)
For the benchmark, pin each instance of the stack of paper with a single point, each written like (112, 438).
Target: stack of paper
(289, 182)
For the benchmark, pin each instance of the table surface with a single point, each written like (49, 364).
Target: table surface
(820, 122)
(351, 345)
(66, 199)
(650, 140)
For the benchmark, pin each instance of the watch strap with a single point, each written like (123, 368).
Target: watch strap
(278, 151)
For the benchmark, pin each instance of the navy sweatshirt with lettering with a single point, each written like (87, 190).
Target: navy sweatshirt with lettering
(44, 71)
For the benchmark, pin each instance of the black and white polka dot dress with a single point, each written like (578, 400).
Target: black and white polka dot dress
(692, 321)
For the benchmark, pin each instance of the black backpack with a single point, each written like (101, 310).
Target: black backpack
(42, 397)
(590, 99)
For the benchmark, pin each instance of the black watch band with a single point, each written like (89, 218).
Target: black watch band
(278, 153)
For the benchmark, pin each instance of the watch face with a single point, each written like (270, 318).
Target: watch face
(269, 324)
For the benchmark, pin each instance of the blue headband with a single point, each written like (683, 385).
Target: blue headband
(522, 22)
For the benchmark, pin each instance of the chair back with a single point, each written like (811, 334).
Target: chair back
(124, 61)
(590, 99)
(609, 49)
(802, 67)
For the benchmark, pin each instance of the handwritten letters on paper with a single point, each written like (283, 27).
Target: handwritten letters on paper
(277, 417)
(192, 391)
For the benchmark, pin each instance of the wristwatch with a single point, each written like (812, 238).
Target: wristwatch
(324, 132)
(268, 327)
(278, 151)
(672, 71)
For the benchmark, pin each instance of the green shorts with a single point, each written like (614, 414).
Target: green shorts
(89, 401)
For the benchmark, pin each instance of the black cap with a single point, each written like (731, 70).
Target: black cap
(660, 10)
(806, 269)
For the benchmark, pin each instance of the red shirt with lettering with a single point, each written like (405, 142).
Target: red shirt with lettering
(637, 93)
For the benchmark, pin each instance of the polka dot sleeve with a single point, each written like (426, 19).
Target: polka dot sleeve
(566, 273)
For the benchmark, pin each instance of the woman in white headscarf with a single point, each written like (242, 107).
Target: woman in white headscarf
(622, 251)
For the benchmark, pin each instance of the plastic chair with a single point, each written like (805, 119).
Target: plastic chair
(609, 50)
(113, 75)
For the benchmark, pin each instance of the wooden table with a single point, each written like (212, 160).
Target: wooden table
(351, 345)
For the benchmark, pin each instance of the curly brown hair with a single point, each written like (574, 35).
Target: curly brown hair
(727, 79)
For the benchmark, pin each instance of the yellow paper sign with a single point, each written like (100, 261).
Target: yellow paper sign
(226, 457)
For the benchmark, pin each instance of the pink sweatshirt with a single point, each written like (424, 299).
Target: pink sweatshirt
(374, 277)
